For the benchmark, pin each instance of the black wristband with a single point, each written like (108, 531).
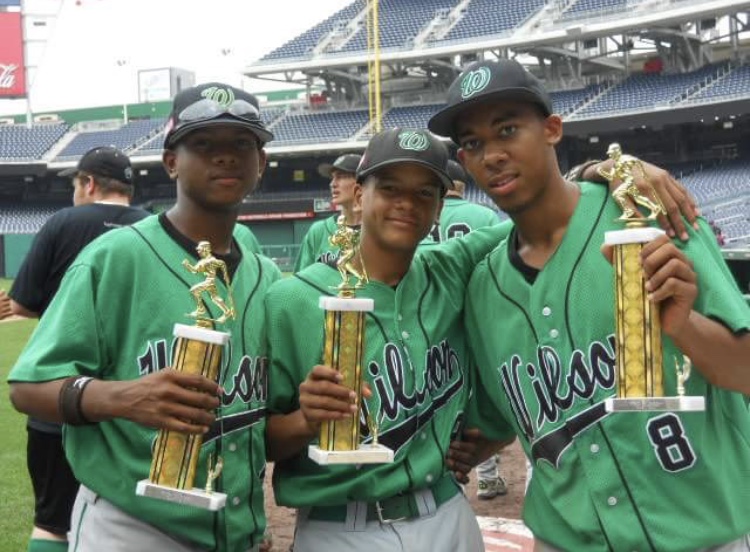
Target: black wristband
(576, 173)
(69, 400)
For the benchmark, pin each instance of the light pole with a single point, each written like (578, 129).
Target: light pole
(122, 63)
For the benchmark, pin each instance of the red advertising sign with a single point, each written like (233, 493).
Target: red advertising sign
(12, 70)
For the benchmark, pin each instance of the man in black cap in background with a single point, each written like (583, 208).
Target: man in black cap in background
(315, 246)
(102, 189)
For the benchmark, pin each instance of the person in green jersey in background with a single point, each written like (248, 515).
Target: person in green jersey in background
(460, 216)
(99, 359)
(315, 246)
(539, 318)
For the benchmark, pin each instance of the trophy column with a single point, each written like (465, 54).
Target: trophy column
(175, 456)
(638, 340)
(339, 440)
(198, 351)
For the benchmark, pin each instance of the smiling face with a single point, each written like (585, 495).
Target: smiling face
(399, 205)
(216, 167)
(508, 148)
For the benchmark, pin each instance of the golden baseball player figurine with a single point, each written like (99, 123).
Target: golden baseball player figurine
(640, 374)
(344, 342)
(624, 169)
(198, 351)
(210, 266)
(346, 239)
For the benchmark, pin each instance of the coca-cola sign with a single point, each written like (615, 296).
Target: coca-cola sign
(12, 73)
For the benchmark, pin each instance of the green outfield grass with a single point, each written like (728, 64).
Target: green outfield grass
(17, 504)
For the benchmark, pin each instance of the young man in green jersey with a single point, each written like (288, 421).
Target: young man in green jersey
(106, 339)
(539, 318)
(414, 361)
(315, 246)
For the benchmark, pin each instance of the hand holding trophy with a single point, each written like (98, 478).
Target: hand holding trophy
(198, 351)
(344, 343)
(640, 381)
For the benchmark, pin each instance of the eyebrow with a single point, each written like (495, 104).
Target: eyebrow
(502, 117)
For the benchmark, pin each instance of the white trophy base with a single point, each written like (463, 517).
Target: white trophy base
(656, 404)
(365, 454)
(201, 334)
(632, 235)
(350, 304)
(195, 497)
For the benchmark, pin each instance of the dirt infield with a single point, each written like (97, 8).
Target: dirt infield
(513, 469)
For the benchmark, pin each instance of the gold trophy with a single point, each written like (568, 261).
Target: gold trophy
(640, 374)
(198, 351)
(344, 343)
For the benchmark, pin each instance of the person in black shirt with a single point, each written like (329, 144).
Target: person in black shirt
(102, 189)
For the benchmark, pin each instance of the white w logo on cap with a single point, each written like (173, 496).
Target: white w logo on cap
(475, 81)
(415, 141)
(222, 96)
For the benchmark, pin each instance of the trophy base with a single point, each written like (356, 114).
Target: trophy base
(656, 404)
(195, 497)
(365, 454)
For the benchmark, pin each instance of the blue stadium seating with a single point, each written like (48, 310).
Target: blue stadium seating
(125, 138)
(582, 6)
(489, 17)
(304, 43)
(413, 116)
(326, 126)
(735, 83)
(729, 180)
(24, 219)
(566, 101)
(18, 143)
(641, 91)
(399, 22)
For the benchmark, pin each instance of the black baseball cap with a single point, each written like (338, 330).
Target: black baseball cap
(104, 161)
(212, 104)
(347, 163)
(405, 146)
(457, 172)
(504, 79)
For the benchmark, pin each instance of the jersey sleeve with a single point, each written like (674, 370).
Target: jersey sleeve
(243, 234)
(68, 340)
(719, 297)
(457, 258)
(482, 411)
(481, 414)
(293, 338)
(309, 248)
(29, 287)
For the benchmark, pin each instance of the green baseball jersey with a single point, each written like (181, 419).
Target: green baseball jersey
(243, 234)
(414, 360)
(459, 217)
(113, 319)
(315, 246)
(663, 481)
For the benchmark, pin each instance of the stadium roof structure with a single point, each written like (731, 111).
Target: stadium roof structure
(564, 41)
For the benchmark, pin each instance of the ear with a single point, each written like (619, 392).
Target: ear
(169, 160)
(262, 160)
(90, 187)
(357, 204)
(553, 129)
